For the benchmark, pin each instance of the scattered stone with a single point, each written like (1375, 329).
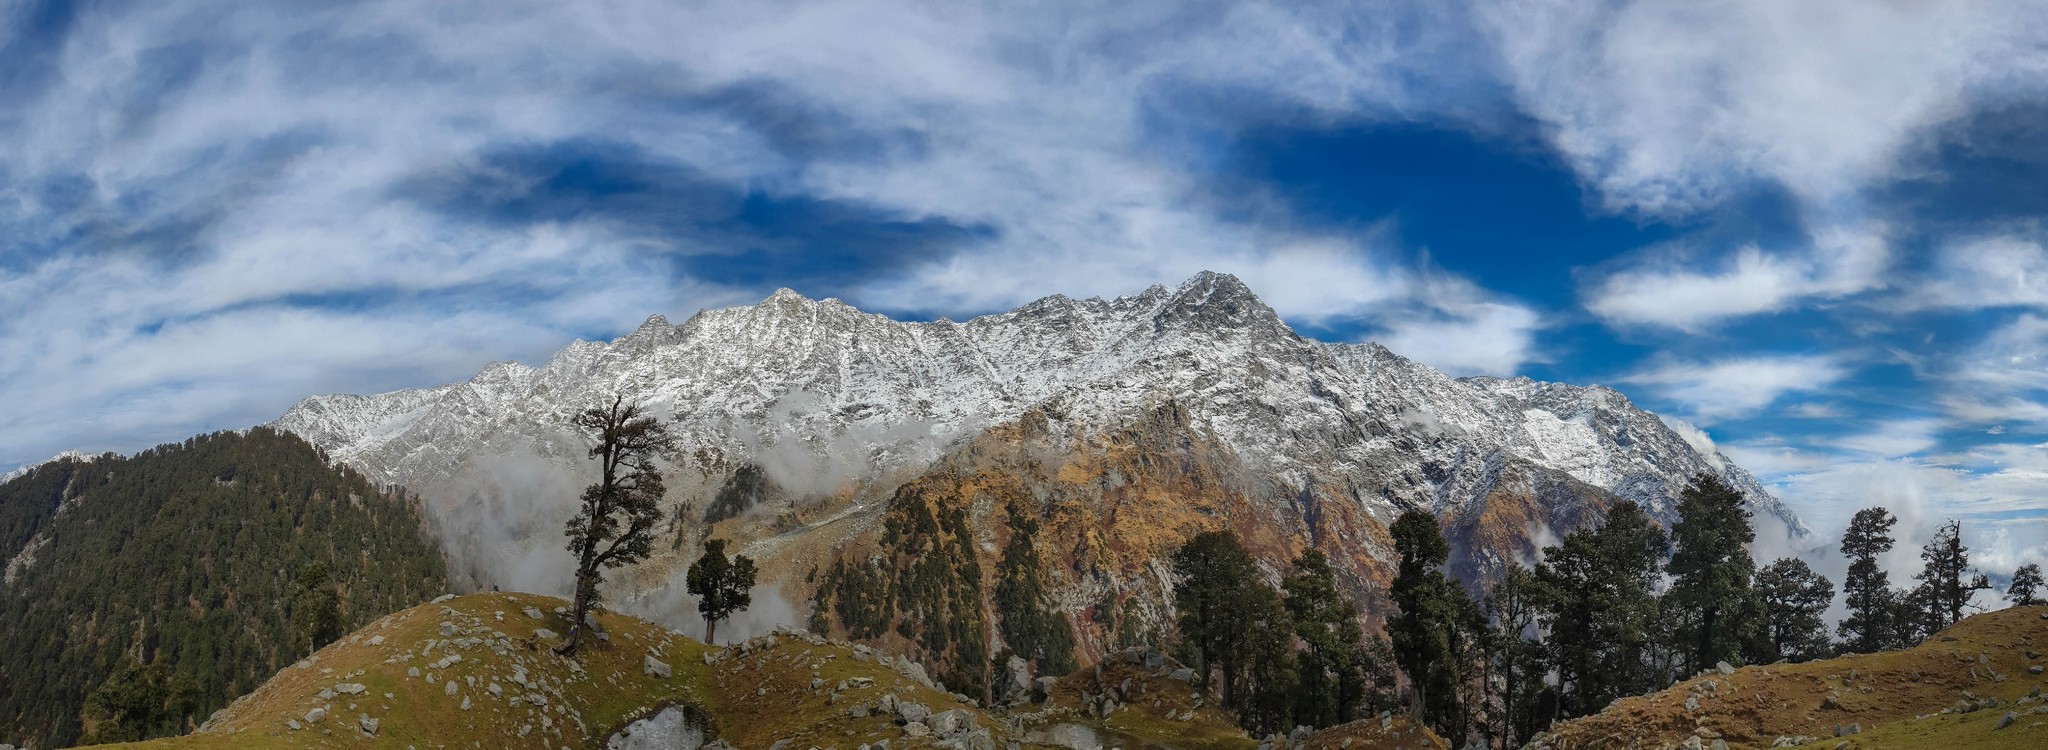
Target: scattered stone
(780, 744)
(314, 716)
(912, 729)
(368, 724)
(465, 703)
(911, 712)
(1183, 674)
(447, 629)
(657, 669)
(1692, 703)
(326, 694)
(293, 724)
(376, 640)
(442, 598)
(1724, 668)
(546, 634)
(2035, 669)
(451, 689)
(350, 688)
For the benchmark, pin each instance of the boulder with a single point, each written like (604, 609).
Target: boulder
(314, 716)
(916, 729)
(368, 724)
(1183, 674)
(655, 668)
(1724, 668)
(950, 722)
(911, 712)
(349, 688)
(448, 630)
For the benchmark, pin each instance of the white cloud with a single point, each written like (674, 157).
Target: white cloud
(1671, 290)
(1990, 271)
(1671, 106)
(1894, 438)
(1737, 386)
(1695, 437)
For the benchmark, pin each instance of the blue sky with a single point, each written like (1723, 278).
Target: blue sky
(1813, 231)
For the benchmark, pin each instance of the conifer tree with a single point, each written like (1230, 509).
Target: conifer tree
(722, 586)
(1711, 571)
(1436, 629)
(1329, 688)
(616, 516)
(2025, 589)
(1871, 601)
(1216, 579)
(1600, 611)
(1515, 659)
(1794, 602)
(1947, 580)
(315, 609)
(1236, 626)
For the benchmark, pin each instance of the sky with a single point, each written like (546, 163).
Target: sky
(1810, 232)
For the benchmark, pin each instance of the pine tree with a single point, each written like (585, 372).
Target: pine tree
(1947, 580)
(1330, 686)
(1435, 631)
(1216, 579)
(2026, 586)
(1237, 626)
(615, 518)
(1600, 611)
(1515, 659)
(1794, 603)
(315, 609)
(722, 586)
(1036, 631)
(1872, 603)
(1711, 571)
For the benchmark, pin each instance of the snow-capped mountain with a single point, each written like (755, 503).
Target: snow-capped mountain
(844, 406)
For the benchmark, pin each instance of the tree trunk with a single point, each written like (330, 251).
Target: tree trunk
(710, 632)
(580, 608)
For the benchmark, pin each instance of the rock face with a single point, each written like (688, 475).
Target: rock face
(800, 418)
(668, 729)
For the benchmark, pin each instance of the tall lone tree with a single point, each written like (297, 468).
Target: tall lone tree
(721, 585)
(2025, 590)
(614, 524)
(1948, 581)
(1795, 603)
(1710, 570)
(1437, 626)
(1871, 600)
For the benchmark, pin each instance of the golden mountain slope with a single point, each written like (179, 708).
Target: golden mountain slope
(1955, 690)
(477, 672)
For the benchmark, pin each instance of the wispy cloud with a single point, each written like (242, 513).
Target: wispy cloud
(1737, 386)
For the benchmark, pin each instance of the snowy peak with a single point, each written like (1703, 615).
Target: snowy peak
(821, 386)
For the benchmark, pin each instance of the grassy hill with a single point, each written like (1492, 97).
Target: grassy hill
(1955, 690)
(397, 683)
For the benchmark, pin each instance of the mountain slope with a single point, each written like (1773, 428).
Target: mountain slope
(167, 577)
(477, 671)
(802, 419)
(1954, 690)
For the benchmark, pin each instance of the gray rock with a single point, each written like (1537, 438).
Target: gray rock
(448, 630)
(314, 716)
(368, 724)
(1183, 674)
(545, 634)
(912, 729)
(911, 712)
(451, 689)
(655, 668)
(951, 722)
(2006, 720)
(1724, 668)
(349, 688)
(293, 724)
(531, 612)
(442, 598)
(781, 743)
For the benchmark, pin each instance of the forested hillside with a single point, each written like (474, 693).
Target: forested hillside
(143, 593)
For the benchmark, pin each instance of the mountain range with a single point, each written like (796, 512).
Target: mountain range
(1126, 424)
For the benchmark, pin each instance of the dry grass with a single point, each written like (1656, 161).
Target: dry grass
(1895, 698)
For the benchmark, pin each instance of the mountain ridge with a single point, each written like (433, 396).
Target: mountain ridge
(840, 407)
